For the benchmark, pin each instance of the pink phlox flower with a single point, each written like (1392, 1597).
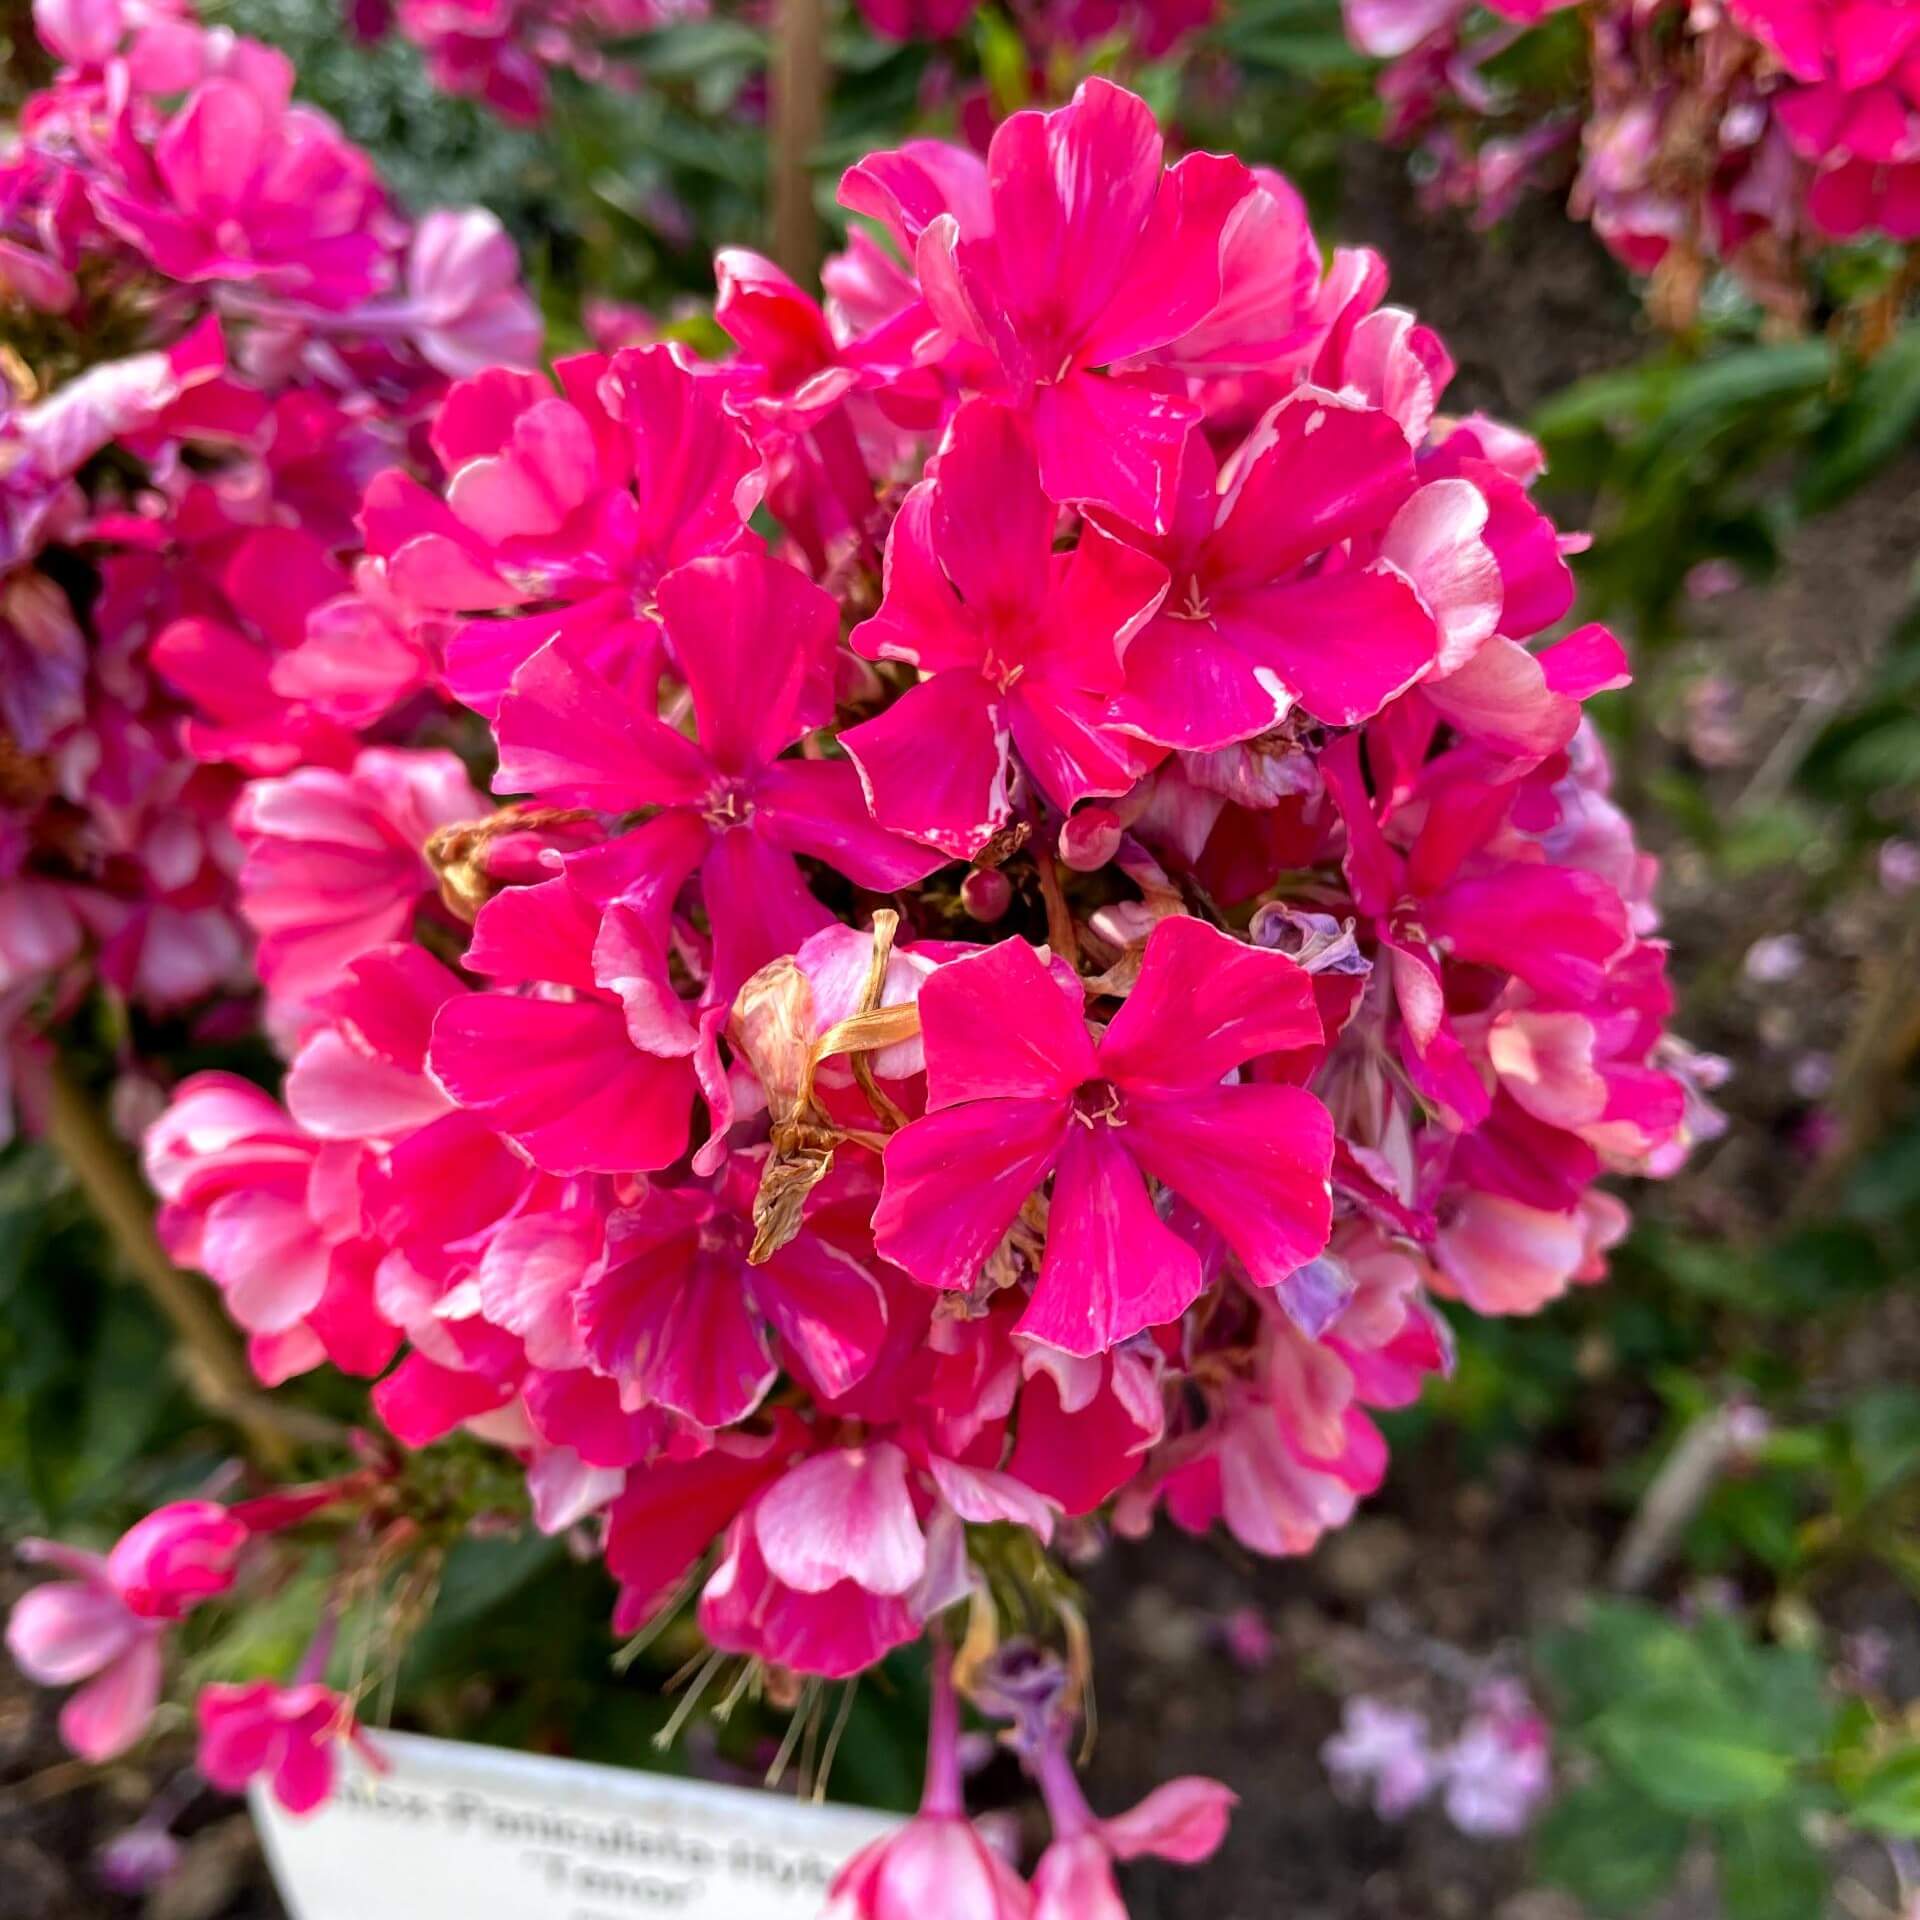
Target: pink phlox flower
(238, 184)
(1085, 254)
(1017, 1089)
(290, 1735)
(1020, 647)
(1297, 572)
(81, 1630)
(679, 1318)
(753, 642)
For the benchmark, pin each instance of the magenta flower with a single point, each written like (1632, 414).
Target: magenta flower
(678, 1317)
(288, 1734)
(1293, 576)
(1021, 647)
(559, 1066)
(1089, 255)
(241, 185)
(1018, 1090)
(583, 498)
(754, 641)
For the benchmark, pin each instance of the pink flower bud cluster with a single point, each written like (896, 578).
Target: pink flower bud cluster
(220, 328)
(1738, 133)
(1057, 902)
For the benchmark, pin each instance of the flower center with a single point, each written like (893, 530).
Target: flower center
(1097, 1104)
(728, 804)
(1192, 603)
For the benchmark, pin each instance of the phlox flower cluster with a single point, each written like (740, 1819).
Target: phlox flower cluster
(1139, 28)
(219, 327)
(504, 53)
(1745, 134)
(1055, 909)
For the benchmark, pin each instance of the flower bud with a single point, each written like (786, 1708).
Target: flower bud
(986, 893)
(179, 1555)
(1090, 838)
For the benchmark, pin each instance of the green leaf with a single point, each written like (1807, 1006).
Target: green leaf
(1770, 1870)
(1610, 1847)
(1693, 1753)
(1885, 1430)
(1620, 1649)
(483, 1573)
(1875, 422)
(1888, 1799)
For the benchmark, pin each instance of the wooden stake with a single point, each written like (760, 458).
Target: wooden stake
(799, 102)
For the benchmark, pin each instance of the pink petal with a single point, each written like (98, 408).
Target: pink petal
(759, 905)
(67, 1630)
(992, 526)
(843, 1515)
(1183, 1820)
(754, 641)
(1253, 1160)
(1315, 472)
(1107, 443)
(112, 1710)
(1066, 742)
(997, 1025)
(1435, 540)
(956, 1180)
(955, 800)
(676, 1323)
(420, 1402)
(1112, 1266)
(338, 1092)
(828, 1309)
(984, 1496)
(562, 1079)
(1343, 643)
(819, 807)
(1203, 1004)
(570, 736)
(1072, 192)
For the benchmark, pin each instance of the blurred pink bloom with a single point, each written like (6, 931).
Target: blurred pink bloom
(81, 1629)
(288, 1734)
(178, 1556)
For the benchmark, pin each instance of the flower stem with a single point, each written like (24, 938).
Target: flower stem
(214, 1365)
(943, 1795)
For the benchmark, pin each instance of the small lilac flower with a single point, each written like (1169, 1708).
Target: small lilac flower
(1382, 1753)
(1774, 959)
(1498, 1772)
(137, 1859)
(1899, 866)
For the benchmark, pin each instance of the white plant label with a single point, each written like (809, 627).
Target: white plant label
(456, 1832)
